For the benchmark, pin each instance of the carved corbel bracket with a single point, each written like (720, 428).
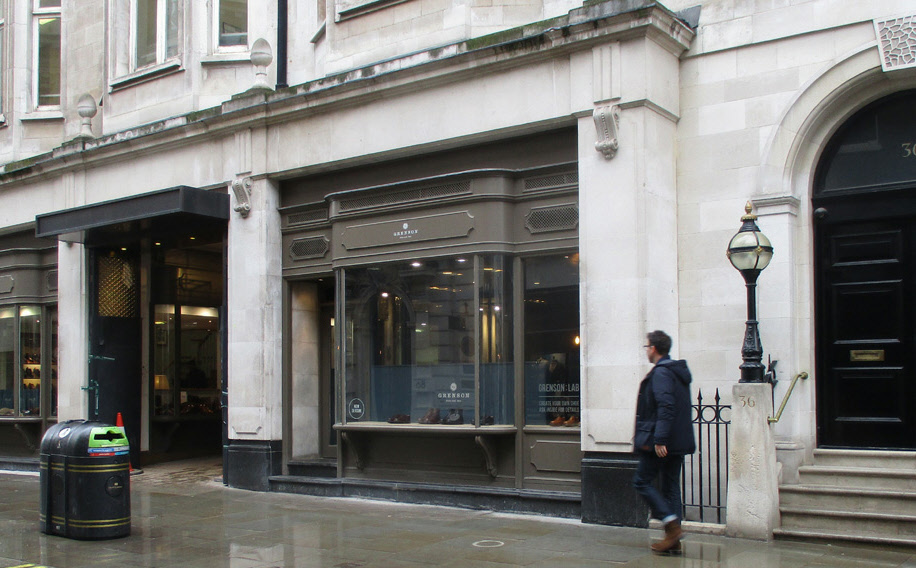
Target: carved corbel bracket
(606, 121)
(489, 454)
(242, 190)
(358, 447)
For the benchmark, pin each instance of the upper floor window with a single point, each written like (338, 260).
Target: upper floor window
(231, 22)
(46, 52)
(154, 26)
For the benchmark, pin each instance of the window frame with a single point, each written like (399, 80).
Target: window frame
(162, 57)
(43, 13)
(215, 27)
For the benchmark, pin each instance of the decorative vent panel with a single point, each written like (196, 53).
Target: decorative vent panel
(555, 181)
(558, 218)
(406, 196)
(310, 247)
(897, 42)
(117, 288)
(306, 217)
(52, 280)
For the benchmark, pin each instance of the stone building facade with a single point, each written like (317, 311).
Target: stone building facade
(290, 231)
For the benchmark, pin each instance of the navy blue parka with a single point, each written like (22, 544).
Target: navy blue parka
(663, 411)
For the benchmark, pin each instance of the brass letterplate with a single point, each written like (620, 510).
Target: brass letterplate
(866, 355)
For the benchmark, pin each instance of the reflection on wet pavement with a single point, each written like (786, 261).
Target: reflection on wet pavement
(182, 516)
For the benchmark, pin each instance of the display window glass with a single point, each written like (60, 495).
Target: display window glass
(28, 361)
(411, 342)
(431, 342)
(8, 375)
(497, 385)
(30, 355)
(551, 300)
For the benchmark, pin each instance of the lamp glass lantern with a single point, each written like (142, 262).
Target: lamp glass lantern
(750, 251)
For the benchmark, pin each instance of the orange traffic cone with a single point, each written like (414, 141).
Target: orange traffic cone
(119, 421)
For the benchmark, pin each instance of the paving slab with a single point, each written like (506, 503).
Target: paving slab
(183, 517)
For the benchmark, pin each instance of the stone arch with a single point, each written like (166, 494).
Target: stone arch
(784, 187)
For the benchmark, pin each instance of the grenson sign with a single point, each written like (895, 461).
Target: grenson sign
(427, 228)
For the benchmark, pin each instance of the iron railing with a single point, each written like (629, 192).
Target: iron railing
(705, 478)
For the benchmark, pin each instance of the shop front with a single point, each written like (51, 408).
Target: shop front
(153, 318)
(28, 346)
(453, 349)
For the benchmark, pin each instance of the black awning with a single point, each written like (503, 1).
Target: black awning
(164, 214)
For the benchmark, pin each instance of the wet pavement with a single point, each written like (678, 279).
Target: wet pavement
(182, 516)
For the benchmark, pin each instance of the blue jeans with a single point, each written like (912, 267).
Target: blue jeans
(666, 502)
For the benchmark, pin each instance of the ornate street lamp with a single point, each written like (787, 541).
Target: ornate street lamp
(750, 252)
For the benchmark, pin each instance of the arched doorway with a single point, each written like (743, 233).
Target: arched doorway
(865, 279)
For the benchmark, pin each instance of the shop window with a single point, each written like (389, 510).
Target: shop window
(551, 300)
(30, 359)
(232, 23)
(46, 53)
(9, 379)
(414, 342)
(497, 385)
(28, 365)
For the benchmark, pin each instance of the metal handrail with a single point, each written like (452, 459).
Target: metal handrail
(803, 375)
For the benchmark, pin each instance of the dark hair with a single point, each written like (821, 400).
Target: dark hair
(660, 340)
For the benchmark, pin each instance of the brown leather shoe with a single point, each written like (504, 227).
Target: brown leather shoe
(558, 421)
(573, 421)
(432, 416)
(672, 538)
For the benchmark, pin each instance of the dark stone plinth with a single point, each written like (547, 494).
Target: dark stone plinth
(608, 497)
(252, 462)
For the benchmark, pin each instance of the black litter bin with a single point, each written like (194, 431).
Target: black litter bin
(85, 481)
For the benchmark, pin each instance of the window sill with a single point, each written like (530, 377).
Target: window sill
(426, 429)
(362, 7)
(552, 429)
(232, 58)
(320, 33)
(43, 115)
(146, 74)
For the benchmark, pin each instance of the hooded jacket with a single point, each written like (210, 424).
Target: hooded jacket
(663, 409)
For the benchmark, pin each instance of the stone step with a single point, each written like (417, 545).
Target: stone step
(876, 459)
(847, 499)
(849, 522)
(783, 533)
(318, 467)
(857, 477)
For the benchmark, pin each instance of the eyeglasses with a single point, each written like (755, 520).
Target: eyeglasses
(647, 346)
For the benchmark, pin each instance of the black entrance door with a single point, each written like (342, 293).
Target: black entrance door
(866, 322)
(865, 279)
(115, 349)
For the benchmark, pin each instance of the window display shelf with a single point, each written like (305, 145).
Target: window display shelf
(427, 430)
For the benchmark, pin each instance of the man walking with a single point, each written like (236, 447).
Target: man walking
(664, 435)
